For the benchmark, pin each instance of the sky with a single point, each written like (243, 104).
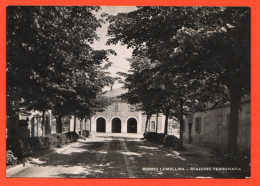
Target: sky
(120, 64)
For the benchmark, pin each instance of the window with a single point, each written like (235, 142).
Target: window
(132, 108)
(153, 125)
(116, 107)
(197, 125)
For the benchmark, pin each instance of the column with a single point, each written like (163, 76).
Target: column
(93, 125)
(123, 127)
(139, 123)
(163, 121)
(108, 126)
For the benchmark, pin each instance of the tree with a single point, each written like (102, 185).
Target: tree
(201, 44)
(48, 51)
(139, 91)
(223, 63)
(139, 30)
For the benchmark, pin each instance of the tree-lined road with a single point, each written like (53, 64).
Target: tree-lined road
(117, 157)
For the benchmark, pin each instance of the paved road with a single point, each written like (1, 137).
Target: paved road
(118, 157)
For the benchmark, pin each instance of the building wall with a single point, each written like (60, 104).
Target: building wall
(29, 124)
(124, 114)
(213, 130)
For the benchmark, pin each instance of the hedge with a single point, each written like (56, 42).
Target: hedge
(24, 147)
(160, 138)
(10, 158)
(85, 133)
(172, 141)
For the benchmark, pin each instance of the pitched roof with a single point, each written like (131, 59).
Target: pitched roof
(115, 92)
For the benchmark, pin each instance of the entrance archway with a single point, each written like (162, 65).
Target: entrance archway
(116, 125)
(131, 125)
(101, 125)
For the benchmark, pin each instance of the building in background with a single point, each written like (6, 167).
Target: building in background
(210, 128)
(121, 117)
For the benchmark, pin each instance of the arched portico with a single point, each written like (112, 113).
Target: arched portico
(100, 124)
(131, 125)
(116, 125)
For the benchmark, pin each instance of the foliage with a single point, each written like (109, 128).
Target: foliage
(240, 159)
(172, 141)
(198, 53)
(50, 63)
(24, 147)
(10, 158)
(86, 133)
(72, 136)
(154, 137)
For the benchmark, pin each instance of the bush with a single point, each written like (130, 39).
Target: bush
(72, 136)
(151, 136)
(160, 138)
(62, 139)
(154, 137)
(10, 158)
(171, 141)
(239, 159)
(145, 135)
(85, 133)
(24, 147)
(52, 141)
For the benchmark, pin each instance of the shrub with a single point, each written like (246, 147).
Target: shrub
(85, 133)
(72, 136)
(239, 159)
(24, 147)
(62, 139)
(145, 135)
(10, 158)
(160, 138)
(52, 141)
(171, 141)
(151, 136)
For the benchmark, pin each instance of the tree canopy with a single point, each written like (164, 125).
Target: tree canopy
(204, 52)
(50, 61)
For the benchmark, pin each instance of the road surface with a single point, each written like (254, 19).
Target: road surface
(118, 157)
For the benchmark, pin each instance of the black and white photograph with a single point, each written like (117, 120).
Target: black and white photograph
(128, 92)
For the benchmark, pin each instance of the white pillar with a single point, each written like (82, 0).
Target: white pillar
(72, 123)
(108, 126)
(163, 121)
(139, 123)
(93, 125)
(124, 127)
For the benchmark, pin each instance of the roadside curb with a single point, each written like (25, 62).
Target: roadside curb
(17, 168)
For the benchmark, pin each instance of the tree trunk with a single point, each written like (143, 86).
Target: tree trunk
(233, 124)
(43, 121)
(181, 122)
(166, 121)
(58, 124)
(75, 123)
(157, 115)
(149, 124)
(146, 122)
(90, 125)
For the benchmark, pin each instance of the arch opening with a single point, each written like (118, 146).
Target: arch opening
(116, 125)
(101, 125)
(131, 125)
